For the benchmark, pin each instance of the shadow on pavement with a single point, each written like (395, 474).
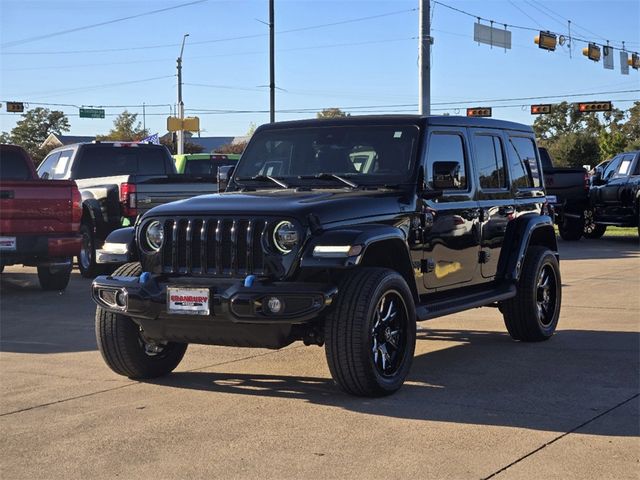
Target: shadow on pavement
(487, 379)
(600, 249)
(36, 321)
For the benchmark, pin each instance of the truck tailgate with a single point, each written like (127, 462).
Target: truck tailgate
(36, 207)
(150, 195)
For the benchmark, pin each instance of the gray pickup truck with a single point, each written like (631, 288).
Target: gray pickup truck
(118, 182)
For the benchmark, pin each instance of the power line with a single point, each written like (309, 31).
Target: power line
(218, 40)
(100, 24)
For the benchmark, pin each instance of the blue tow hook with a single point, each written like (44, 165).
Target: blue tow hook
(248, 281)
(144, 278)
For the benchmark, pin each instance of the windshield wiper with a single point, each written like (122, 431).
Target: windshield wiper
(329, 176)
(266, 177)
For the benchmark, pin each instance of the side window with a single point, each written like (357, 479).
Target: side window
(447, 147)
(522, 163)
(62, 165)
(490, 161)
(48, 166)
(612, 168)
(625, 166)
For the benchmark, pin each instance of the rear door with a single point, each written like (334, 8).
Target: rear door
(451, 246)
(524, 174)
(494, 198)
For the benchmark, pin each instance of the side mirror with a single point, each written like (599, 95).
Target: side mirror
(45, 176)
(597, 177)
(224, 174)
(446, 175)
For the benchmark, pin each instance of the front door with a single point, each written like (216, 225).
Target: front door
(452, 243)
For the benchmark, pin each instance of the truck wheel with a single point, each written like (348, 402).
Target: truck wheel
(54, 278)
(124, 347)
(87, 257)
(571, 229)
(371, 332)
(532, 315)
(591, 228)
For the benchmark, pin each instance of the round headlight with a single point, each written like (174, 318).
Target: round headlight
(155, 235)
(285, 236)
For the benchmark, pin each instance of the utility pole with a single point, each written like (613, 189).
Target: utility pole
(180, 133)
(424, 59)
(272, 66)
(144, 118)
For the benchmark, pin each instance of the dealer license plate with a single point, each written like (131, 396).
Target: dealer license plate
(188, 301)
(8, 243)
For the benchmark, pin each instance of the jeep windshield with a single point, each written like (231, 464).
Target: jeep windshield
(329, 156)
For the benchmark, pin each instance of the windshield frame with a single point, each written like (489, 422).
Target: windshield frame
(240, 179)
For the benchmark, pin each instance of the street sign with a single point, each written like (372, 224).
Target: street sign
(607, 57)
(91, 113)
(540, 109)
(15, 107)
(189, 124)
(496, 37)
(479, 112)
(624, 63)
(595, 107)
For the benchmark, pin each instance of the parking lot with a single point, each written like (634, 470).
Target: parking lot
(476, 404)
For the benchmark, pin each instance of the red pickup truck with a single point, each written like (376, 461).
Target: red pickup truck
(39, 219)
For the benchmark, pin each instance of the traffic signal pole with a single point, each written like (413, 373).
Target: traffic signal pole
(180, 133)
(424, 59)
(272, 67)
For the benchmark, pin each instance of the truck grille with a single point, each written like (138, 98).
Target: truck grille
(214, 246)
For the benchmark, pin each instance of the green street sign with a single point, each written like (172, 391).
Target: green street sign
(91, 113)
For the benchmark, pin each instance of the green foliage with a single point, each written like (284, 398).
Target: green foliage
(232, 147)
(188, 146)
(126, 128)
(576, 139)
(36, 125)
(333, 112)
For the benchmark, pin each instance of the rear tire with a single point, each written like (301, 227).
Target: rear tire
(571, 229)
(54, 278)
(87, 258)
(370, 332)
(592, 230)
(532, 315)
(124, 347)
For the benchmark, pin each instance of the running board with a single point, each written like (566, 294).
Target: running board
(465, 302)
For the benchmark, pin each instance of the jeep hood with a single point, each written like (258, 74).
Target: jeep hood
(328, 206)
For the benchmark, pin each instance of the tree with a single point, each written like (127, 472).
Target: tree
(232, 147)
(126, 128)
(332, 112)
(34, 128)
(188, 146)
(574, 150)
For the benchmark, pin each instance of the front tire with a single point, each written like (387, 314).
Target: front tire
(124, 347)
(371, 333)
(592, 230)
(54, 278)
(532, 315)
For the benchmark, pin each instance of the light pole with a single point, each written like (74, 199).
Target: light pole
(180, 133)
(424, 60)
(272, 67)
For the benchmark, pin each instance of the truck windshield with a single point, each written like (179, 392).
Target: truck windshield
(366, 154)
(108, 160)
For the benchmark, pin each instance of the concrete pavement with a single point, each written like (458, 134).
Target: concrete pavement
(476, 405)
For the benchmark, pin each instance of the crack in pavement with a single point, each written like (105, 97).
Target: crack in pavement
(63, 400)
(559, 437)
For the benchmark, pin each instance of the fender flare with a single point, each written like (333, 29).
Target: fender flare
(530, 229)
(126, 235)
(367, 237)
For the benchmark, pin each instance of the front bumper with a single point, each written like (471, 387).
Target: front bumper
(231, 301)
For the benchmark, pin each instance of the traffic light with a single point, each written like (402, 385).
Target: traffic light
(594, 107)
(540, 109)
(592, 52)
(546, 40)
(479, 112)
(634, 61)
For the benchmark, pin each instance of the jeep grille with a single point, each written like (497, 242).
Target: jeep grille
(214, 246)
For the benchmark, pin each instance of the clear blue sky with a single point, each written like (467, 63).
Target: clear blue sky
(371, 62)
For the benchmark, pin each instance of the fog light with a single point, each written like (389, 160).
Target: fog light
(274, 305)
(121, 299)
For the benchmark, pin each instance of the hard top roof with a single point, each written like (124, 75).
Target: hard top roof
(418, 120)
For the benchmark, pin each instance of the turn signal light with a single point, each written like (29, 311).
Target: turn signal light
(546, 41)
(540, 109)
(595, 107)
(479, 112)
(592, 52)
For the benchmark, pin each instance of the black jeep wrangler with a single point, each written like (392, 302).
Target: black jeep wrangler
(342, 232)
